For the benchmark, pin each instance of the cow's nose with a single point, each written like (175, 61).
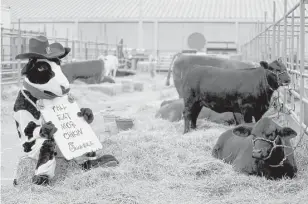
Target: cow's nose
(256, 153)
(64, 90)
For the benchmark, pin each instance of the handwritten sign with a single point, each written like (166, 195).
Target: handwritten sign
(74, 136)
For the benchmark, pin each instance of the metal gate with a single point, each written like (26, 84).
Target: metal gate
(285, 39)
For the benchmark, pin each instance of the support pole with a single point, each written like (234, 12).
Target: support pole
(303, 107)
(265, 37)
(237, 37)
(273, 52)
(140, 26)
(19, 51)
(284, 49)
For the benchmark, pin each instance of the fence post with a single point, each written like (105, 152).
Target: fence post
(278, 42)
(257, 42)
(265, 36)
(80, 42)
(66, 41)
(19, 51)
(284, 49)
(273, 51)
(45, 30)
(86, 50)
(292, 58)
(303, 107)
(2, 49)
(96, 48)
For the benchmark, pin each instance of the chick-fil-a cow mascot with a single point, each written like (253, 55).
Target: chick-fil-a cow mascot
(44, 79)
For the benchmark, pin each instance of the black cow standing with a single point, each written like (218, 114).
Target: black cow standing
(246, 91)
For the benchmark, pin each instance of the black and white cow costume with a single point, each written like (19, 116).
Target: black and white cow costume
(44, 79)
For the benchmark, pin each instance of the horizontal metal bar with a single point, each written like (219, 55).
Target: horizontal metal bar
(6, 72)
(9, 82)
(298, 73)
(297, 95)
(295, 117)
(12, 62)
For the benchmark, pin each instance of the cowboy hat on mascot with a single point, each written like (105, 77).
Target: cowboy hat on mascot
(44, 79)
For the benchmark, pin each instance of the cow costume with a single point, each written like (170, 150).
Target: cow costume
(44, 79)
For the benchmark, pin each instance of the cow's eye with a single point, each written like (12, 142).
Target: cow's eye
(42, 68)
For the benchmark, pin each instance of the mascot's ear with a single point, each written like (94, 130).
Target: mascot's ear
(28, 66)
(264, 64)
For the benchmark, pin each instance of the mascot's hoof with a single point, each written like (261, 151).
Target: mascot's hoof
(15, 182)
(103, 161)
(40, 180)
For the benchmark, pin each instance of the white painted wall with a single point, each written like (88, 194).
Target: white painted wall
(171, 36)
(5, 16)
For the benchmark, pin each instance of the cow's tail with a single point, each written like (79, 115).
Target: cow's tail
(171, 65)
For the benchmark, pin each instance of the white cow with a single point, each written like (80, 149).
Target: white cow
(111, 63)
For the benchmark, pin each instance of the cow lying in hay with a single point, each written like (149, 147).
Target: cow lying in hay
(172, 110)
(261, 149)
(182, 63)
(246, 91)
(45, 80)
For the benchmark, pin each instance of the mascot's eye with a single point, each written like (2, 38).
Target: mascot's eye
(42, 68)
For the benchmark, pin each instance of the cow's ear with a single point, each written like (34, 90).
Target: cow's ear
(287, 132)
(242, 131)
(264, 64)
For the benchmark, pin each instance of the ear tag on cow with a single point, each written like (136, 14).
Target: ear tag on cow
(70, 98)
(39, 104)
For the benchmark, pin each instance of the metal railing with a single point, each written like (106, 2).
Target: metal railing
(15, 41)
(285, 38)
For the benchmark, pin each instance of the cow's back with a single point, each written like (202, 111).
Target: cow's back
(230, 147)
(184, 63)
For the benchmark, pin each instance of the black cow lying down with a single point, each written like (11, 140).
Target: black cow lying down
(172, 110)
(246, 91)
(258, 149)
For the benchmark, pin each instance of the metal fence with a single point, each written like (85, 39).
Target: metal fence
(15, 41)
(285, 38)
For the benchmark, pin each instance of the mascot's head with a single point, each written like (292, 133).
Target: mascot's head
(44, 78)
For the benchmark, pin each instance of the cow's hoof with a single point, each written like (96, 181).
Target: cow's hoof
(40, 180)
(105, 161)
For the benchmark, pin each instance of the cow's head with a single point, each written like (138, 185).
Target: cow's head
(277, 73)
(267, 136)
(44, 78)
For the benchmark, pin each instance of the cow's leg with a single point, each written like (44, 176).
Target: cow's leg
(46, 164)
(188, 105)
(194, 114)
(258, 116)
(248, 115)
(115, 73)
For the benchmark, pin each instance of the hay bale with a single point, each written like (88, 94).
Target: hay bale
(127, 86)
(138, 86)
(108, 89)
(107, 79)
(26, 169)
(124, 123)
